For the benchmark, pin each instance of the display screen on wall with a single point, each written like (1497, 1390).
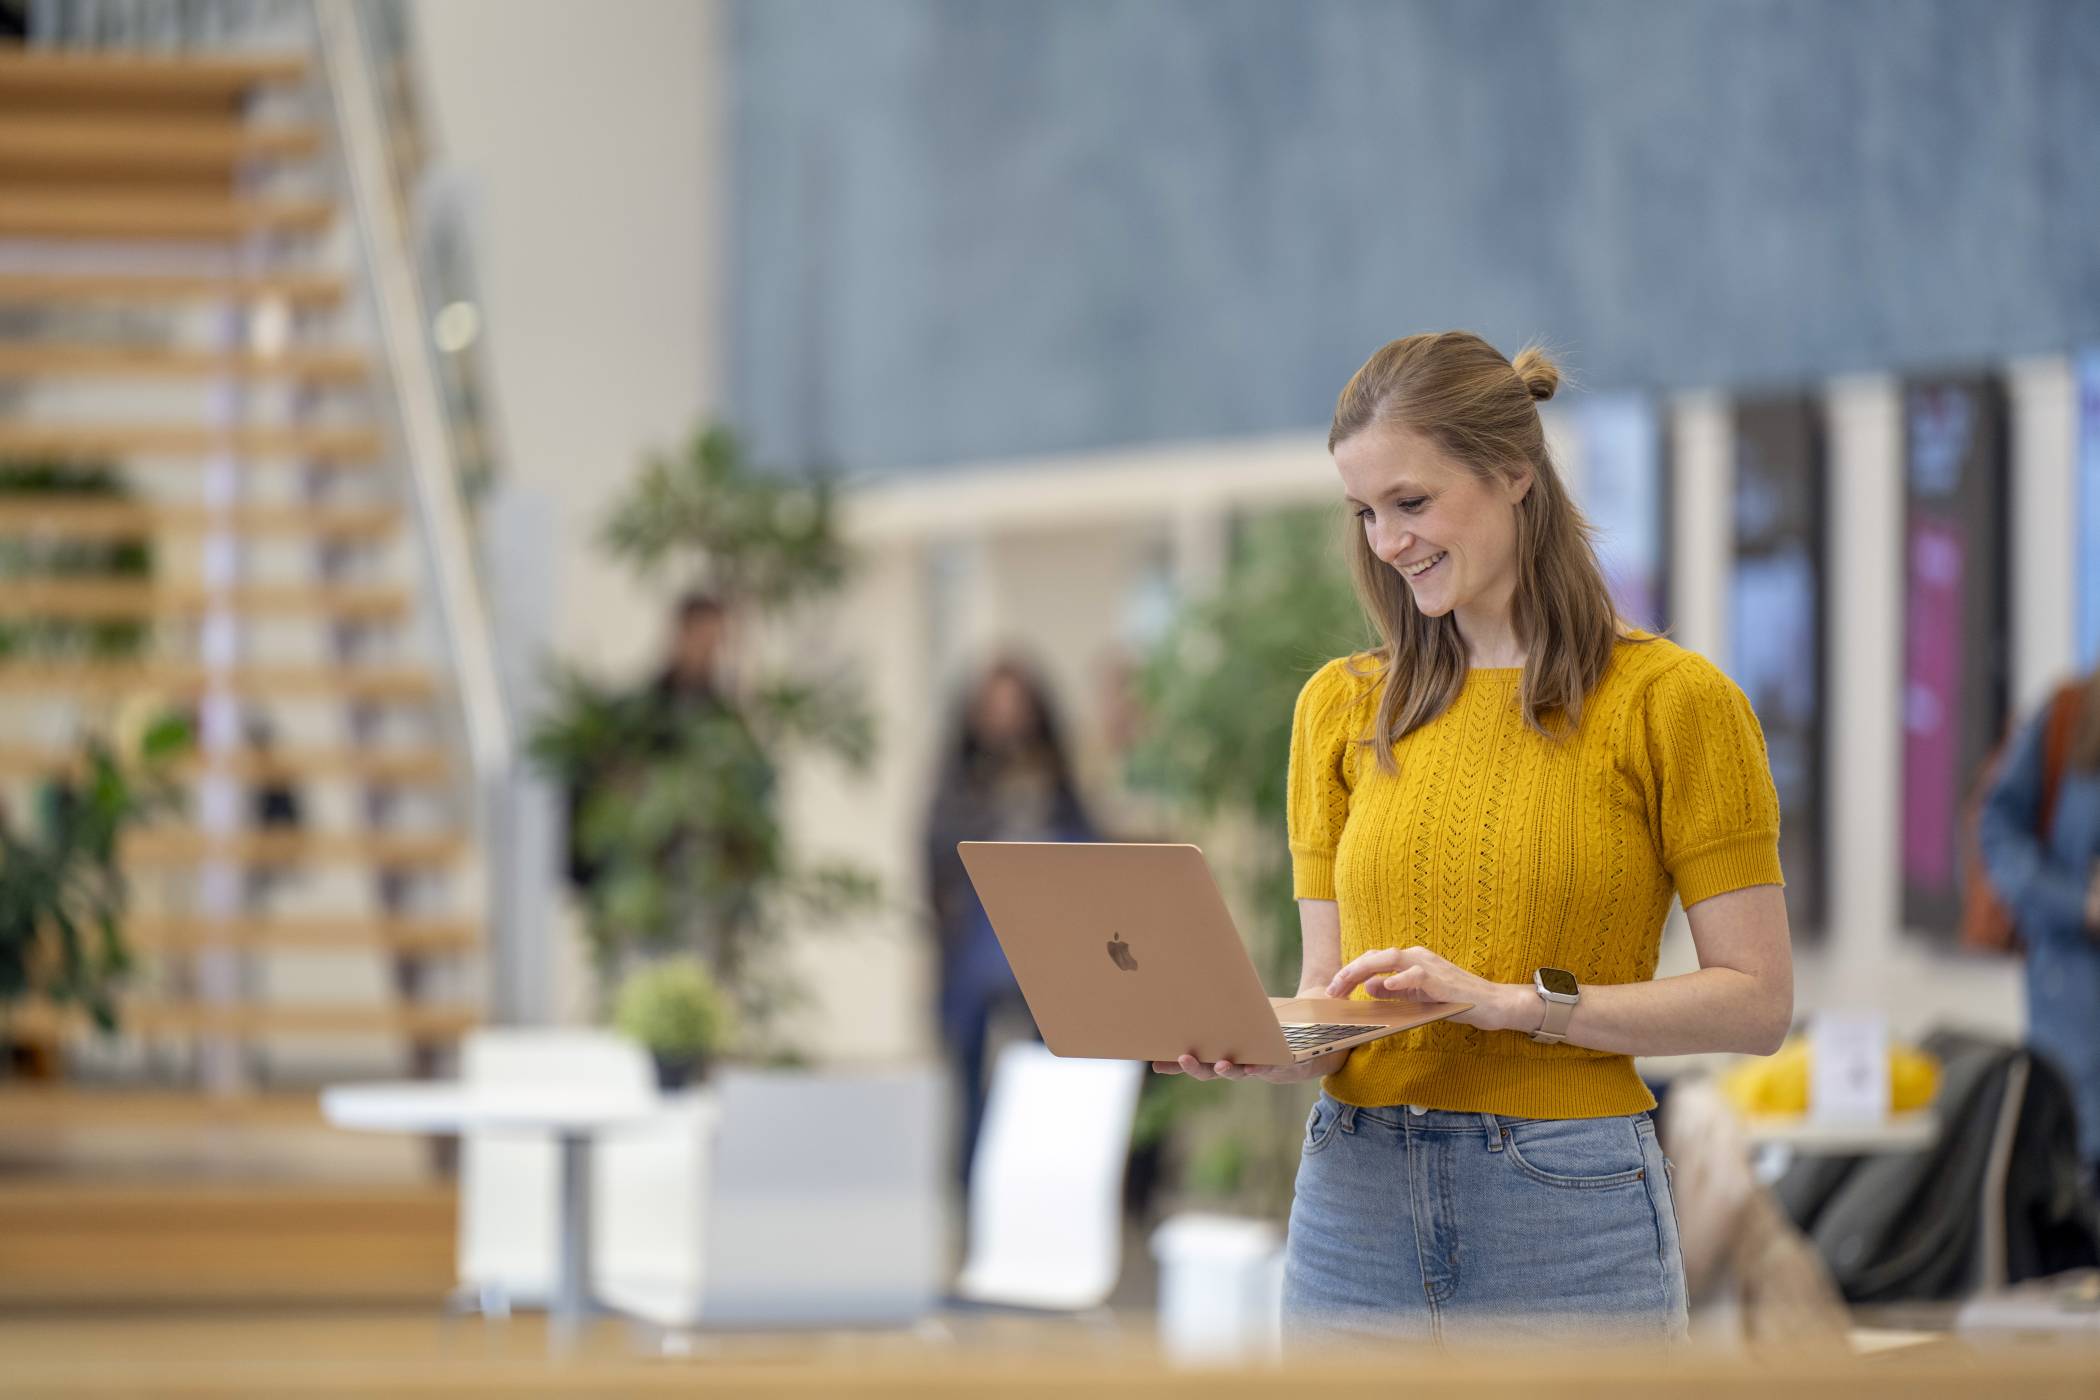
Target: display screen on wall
(1776, 630)
(1625, 495)
(2087, 545)
(1954, 626)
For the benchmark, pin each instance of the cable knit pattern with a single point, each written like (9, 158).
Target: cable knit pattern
(1506, 851)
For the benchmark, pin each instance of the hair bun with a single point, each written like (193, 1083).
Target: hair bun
(1540, 375)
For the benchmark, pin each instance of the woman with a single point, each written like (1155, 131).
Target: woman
(2040, 833)
(1495, 808)
(1005, 777)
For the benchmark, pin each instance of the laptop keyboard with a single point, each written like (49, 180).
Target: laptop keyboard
(1312, 1037)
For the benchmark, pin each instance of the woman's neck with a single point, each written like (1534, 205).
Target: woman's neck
(1490, 635)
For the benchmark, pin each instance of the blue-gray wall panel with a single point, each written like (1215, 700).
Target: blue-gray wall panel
(964, 229)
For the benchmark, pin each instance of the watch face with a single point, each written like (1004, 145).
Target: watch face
(1559, 981)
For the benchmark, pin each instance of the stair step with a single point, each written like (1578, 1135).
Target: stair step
(96, 517)
(98, 443)
(44, 288)
(94, 213)
(402, 684)
(96, 599)
(38, 359)
(241, 1243)
(377, 767)
(156, 145)
(44, 76)
(42, 1023)
(184, 846)
(424, 936)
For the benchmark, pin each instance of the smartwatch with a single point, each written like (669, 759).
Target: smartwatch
(1560, 991)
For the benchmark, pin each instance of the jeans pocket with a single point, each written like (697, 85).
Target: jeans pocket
(1576, 1153)
(1320, 1124)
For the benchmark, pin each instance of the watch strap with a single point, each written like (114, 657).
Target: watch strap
(1554, 1029)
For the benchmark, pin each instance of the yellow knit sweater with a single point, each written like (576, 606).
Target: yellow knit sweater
(1506, 851)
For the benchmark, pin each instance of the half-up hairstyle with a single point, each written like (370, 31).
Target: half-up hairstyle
(1456, 390)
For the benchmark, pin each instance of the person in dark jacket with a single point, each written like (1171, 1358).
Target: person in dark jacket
(2051, 885)
(1005, 776)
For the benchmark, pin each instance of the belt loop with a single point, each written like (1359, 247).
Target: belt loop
(1346, 1119)
(1493, 1130)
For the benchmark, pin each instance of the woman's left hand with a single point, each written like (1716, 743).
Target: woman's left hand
(1416, 974)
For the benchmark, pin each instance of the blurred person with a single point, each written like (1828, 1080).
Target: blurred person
(1005, 776)
(2040, 834)
(690, 680)
(1495, 808)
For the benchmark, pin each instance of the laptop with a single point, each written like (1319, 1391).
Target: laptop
(736, 1215)
(1126, 952)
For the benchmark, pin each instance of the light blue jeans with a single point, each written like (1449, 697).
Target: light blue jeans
(1467, 1227)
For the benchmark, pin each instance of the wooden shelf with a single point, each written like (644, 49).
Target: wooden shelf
(87, 212)
(44, 360)
(185, 846)
(46, 288)
(44, 76)
(187, 679)
(377, 767)
(251, 1021)
(102, 600)
(94, 517)
(44, 146)
(351, 446)
(419, 936)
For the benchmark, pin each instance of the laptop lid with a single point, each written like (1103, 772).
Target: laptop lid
(1124, 951)
(825, 1199)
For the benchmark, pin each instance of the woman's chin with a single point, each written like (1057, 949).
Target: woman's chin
(1434, 606)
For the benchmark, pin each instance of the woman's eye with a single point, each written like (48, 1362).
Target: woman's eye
(1413, 503)
(1363, 512)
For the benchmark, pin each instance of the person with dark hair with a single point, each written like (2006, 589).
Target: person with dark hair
(2040, 834)
(1005, 776)
(1496, 806)
(688, 684)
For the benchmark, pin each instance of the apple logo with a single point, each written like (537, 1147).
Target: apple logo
(1119, 953)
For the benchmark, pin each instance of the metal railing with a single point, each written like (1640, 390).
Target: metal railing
(403, 319)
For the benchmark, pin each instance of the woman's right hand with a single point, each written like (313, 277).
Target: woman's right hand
(1194, 1068)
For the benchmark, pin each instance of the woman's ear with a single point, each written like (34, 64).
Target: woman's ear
(1519, 484)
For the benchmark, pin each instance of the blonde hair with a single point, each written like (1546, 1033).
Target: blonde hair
(1456, 390)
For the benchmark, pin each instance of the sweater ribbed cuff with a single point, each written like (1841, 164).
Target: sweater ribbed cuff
(1752, 859)
(1312, 874)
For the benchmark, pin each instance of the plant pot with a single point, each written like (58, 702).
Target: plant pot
(674, 1072)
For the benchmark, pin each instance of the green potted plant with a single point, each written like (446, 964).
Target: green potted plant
(62, 894)
(675, 1010)
(675, 811)
(1217, 693)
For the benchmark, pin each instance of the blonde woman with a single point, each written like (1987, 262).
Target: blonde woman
(1496, 807)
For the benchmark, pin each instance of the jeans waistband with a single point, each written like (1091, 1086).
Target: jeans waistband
(1429, 1120)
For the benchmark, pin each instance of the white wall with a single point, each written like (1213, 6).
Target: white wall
(591, 148)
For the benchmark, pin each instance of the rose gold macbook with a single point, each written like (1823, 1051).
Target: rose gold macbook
(1126, 952)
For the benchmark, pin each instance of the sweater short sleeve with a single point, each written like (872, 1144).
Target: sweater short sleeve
(1715, 808)
(1321, 774)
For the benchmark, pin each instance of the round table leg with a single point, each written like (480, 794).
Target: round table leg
(572, 1284)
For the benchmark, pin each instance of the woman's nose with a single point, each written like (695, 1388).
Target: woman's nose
(1389, 542)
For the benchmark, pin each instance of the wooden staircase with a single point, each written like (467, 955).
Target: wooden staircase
(167, 229)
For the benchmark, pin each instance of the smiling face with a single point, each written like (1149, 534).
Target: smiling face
(1448, 530)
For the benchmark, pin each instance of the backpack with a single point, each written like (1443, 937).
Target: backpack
(1997, 1198)
(1987, 926)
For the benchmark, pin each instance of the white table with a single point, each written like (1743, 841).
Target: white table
(570, 1118)
(1777, 1139)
